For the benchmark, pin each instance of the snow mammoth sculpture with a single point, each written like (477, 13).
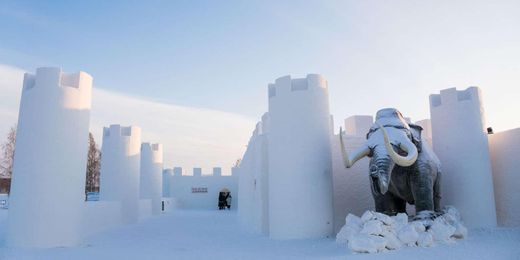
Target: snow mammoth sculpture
(403, 168)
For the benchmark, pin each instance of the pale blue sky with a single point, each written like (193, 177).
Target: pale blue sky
(222, 54)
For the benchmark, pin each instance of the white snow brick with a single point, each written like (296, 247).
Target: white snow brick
(440, 230)
(425, 239)
(372, 227)
(408, 235)
(363, 243)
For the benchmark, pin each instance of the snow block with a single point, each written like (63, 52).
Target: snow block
(151, 179)
(505, 148)
(253, 209)
(48, 184)
(351, 186)
(376, 232)
(120, 165)
(300, 167)
(461, 143)
(166, 174)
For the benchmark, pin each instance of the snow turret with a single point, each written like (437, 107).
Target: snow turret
(151, 179)
(120, 164)
(48, 185)
(460, 141)
(300, 177)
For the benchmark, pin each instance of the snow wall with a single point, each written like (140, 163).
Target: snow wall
(299, 151)
(100, 216)
(145, 208)
(120, 165)
(505, 148)
(48, 185)
(253, 210)
(352, 192)
(166, 174)
(151, 175)
(201, 191)
(460, 141)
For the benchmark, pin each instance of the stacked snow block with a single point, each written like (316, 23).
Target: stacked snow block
(505, 148)
(120, 165)
(253, 188)
(299, 154)
(48, 185)
(151, 178)
(461, 143)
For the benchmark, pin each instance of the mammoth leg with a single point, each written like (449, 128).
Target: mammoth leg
(421, 183)
(437, 193)
(400, 205)
(380, 202)
(389, 204)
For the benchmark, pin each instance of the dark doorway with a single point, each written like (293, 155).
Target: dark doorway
(224, 199)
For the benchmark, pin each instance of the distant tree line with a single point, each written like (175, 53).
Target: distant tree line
(7, 158)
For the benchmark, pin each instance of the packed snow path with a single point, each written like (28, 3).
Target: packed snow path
(216, 235)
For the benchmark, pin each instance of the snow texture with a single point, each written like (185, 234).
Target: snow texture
(120, 165)
(300, 166)
(253, 188)
(461, 143)
(151, 174)
(376, 232)
(100, 216)
(505, 148)
(191, 234)
(47, 192)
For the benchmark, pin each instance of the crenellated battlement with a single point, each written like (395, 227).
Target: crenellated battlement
(196, 172)
(152, 147)
(118, 131)
(286, 84)
(52, 76)
(453, 96)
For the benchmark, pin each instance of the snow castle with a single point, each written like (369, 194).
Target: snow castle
(300, 180)
(120, 165)
(48, 184)
(479, 169)
(151, 174)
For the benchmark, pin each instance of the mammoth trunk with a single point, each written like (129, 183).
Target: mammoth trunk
(380, 173)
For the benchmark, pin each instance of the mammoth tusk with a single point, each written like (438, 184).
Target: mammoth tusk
(359, 153)
(398, 159)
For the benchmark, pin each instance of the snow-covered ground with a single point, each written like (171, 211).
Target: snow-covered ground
(215, 235)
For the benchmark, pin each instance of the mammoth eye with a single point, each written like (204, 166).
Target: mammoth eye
(373, 169)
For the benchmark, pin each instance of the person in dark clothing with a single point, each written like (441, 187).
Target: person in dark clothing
(228, 201)
(222, 200)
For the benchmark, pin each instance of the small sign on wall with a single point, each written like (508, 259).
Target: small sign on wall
(199, 190)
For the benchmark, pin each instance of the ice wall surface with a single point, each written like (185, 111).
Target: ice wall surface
(120, 165)
(151, 177)
(253, 189)
(48, 185)
(166, 174)
(352, 192)
(460, 141)
(505, 148)
(299, 154)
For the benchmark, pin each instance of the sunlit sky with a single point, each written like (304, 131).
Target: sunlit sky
(220, 55)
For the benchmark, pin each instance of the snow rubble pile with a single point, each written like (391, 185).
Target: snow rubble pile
(376, 232)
